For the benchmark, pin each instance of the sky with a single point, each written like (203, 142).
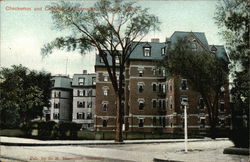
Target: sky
(23, 33)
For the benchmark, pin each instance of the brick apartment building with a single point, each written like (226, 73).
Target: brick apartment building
(61, 99)
(152, 99)
(84, 99)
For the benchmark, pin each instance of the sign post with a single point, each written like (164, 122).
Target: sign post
(185, 103)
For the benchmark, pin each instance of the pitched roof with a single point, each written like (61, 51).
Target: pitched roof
(181, 34)
(62, 82)
(220, 51)
(155, 51)
(137, 53)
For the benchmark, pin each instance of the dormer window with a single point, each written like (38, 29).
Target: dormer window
(193, 45)
(163, 51)
(147, 51)
(213, 49)
(117, 60)
(101, 60)
(93, 81)
(81, 81)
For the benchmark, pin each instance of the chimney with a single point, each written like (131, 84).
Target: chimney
(84, 72)
(156, 40)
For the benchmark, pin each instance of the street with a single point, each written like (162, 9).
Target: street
(207, 151)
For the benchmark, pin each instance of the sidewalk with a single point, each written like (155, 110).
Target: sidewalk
(13, 141)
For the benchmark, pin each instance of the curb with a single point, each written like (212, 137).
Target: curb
(99, 143)
(162, 160)
(236, 151)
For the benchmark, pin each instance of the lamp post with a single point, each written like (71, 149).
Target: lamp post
(185, 103)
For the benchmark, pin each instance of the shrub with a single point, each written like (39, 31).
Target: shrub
(68, 130)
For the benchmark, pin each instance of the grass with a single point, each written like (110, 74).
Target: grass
(12, 133)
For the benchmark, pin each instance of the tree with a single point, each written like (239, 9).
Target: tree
(233, 19)
(110, 27)
(206, 73)
(24, 93)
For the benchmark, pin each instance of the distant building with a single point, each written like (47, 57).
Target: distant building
(61, 99)
(84, 99)
(152, 98)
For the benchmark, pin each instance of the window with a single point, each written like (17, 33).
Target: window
(101, 60)
(105, 106)
(117, 61)
(222, 122)
(163, 88)
(193, 45)
(105, 79)
(163, 50)
(141, 105)
(154, 121)
(202, 122)
(89, 105)
(81, 92)
(140, 73)
(81, 81)
(154, 87)
(52, 83)
(140, 87)
(104, 123)
(184, 84)
(171, 102)
(160, 104)
(201, 103)
(80, 104)
(163, 104)
(222, 106)
(170, 85)
(90, 92)
(154, 71)
(89, 116)
(163, 121)
(141, 122)
(159, 71)
(105, 92)
(56, 116)
(154, 103)
(163, 72)
(184, 99)
(147, 51)
(80, 116)
(56, 105)
(160, 121)
(57, 94)
(160, 87)
(93, 81)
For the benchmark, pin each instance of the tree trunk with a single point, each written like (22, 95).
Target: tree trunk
(118, 133)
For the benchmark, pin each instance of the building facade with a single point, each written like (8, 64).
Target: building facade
(84, 99)
(61, 99)
(152, 101)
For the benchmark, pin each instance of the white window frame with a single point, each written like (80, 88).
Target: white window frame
(146, 51)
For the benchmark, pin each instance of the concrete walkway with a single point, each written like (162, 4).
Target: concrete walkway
(169, 150)
(13, 141)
